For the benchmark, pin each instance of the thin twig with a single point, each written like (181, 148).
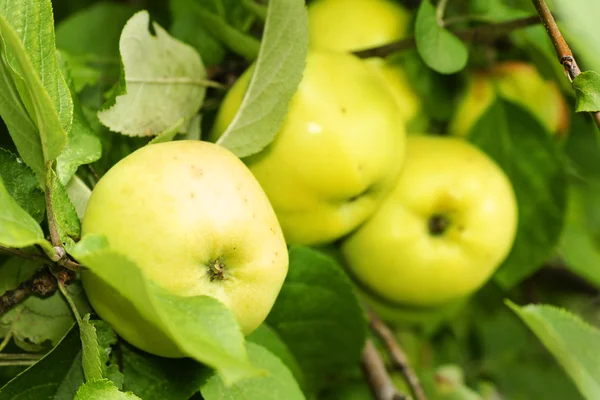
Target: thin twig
(440, 11)
(179, 81)
(480, 34)
(61, 278)
(17, 363)
(22, 356)
(24, 254)
(374, 369)
(42, 284)
(565, 56)
(397, 355)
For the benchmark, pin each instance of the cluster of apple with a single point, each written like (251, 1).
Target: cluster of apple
(420, 220)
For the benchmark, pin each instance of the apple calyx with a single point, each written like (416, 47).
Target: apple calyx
(216, 270)
(438, 224)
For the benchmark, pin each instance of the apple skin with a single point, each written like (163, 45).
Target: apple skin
(352, 25)
(174, 208)
(337, 153)
(515, 81)
(406, 255)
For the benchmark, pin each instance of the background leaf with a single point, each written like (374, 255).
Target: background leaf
(149, 376)
(275, 78)
(22, 185)
(102, 389)
(279, 384)
(569, 339)
(318, 316)
(56, 376)
(535, 167)
(440, 49)
(165, 81)
(37, 323)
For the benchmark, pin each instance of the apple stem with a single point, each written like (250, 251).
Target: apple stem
(374, 368)
(563, 51)
(397, 355)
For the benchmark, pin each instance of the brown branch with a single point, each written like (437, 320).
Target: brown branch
(480, 34)
(42, 283)
(397, 355)
(24, 254)
(565, 56)
(377, 376)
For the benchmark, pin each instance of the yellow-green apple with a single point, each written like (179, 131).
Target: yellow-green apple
(515, 81)
(448, 224)
(352, 25)
(195, 221)
(337, 153)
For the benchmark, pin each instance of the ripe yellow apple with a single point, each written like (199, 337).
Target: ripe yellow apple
(515, 81)
(195, 220)
(352, 25)
(445, 228)
(337, 153)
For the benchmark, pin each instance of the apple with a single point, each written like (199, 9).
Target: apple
(448, 224)
(352, 25)
(515, 81)
(337, 153)
(195, 220)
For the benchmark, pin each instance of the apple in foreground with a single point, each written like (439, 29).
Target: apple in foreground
(352, 25)
(446, 227)
(515, 81)
(337, 153)
(195, 220)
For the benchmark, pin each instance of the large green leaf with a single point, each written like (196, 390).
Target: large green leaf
(318, 316)
(533, 163)
(440, 49)
(279, 384)
(275, 78)
(201, 326)
(570, 340)
(165, 81)
(27, 30)
(587, 91)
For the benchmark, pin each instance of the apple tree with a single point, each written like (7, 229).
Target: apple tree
(299, 199)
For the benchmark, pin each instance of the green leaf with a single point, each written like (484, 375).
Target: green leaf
(67, 220)
(279, 384)
(152, 377)
(201, 326)
(165, 81)
(22, 185)
(318, 316)
(570, 340)
(102, 389)
(533, 163)
(27, 30)
(56, 376)
(587, 91)
(239, 42)
(93, 367)
(580, 245)
(106, 339)
(37, 322)
(275, 78)
(18, 228)
(440, 49)
(83, 147)
(270, 340)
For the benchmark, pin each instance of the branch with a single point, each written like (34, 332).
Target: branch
(397, 355)
(480, 34)
(42, 283)
(563, 51)
(375, 372)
